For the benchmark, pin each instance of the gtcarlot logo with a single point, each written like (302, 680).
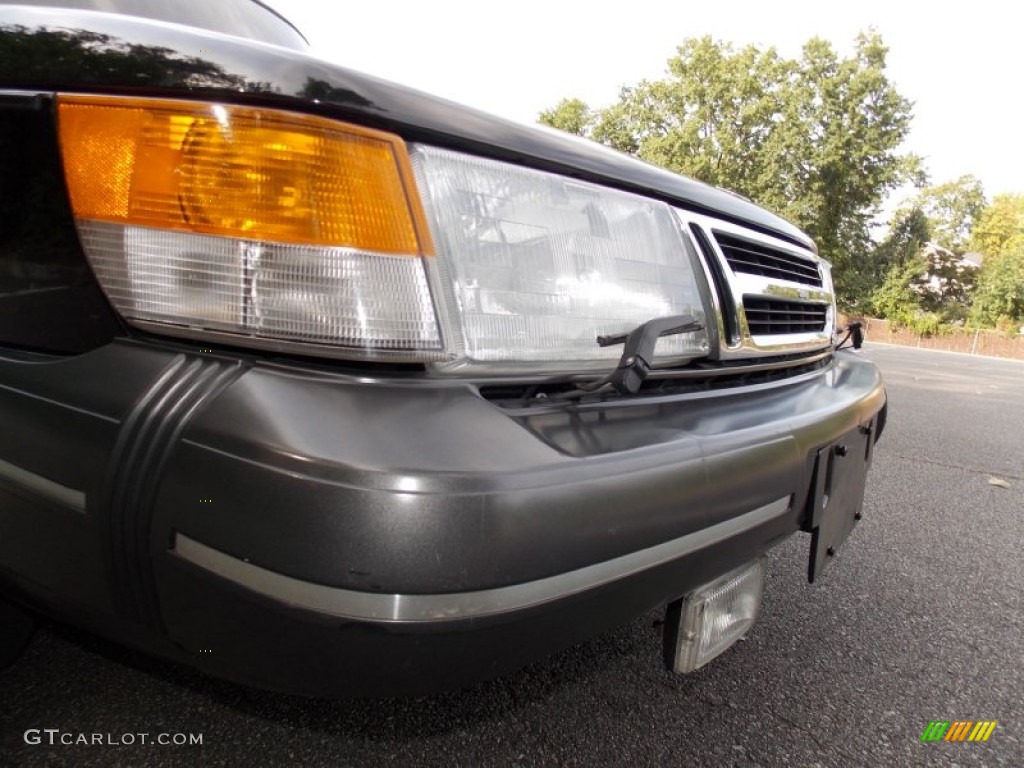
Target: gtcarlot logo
(55, 736)
(958, 730)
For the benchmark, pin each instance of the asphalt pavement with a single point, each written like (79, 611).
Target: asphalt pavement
(920, 618)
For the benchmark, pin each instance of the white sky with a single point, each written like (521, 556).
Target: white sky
(961, 64)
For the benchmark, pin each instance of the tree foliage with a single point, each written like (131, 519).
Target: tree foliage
(999, 295)
(814, 138)
(999, 225)
(898, 299)
(945, 289)
(569, 115)
(931, 286)
(952, 209)
(926, 283)
(909, 232)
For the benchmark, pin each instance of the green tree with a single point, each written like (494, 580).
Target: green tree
(924, 282)
(898, 299)
(999, 294)
(710, 118)
(911, 296)
(999, 224)
(815, 138)
(946, 287)
(909, 231)
(952, 210)
(569, 115)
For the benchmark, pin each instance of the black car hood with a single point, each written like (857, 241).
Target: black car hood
(60, 49)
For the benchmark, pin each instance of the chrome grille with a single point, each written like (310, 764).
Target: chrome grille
(770, 294)
(768, 316)
(750, 258)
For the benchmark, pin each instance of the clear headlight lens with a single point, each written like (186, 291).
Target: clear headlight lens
(534, 266)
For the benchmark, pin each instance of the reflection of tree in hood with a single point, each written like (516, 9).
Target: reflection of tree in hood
(81, 56)
(321, 90)
(77, 56)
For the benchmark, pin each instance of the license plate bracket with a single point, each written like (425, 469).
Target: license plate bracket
(840, 475)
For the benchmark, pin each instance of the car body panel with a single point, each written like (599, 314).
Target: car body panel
(49, 299)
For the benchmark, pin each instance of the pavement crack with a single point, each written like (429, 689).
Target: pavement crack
(800, 727)
(949, 465)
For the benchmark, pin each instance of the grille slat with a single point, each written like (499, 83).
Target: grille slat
(768, 316)
(749, 258)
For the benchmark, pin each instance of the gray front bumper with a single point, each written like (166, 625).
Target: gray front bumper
(427, 489)
(320, 529)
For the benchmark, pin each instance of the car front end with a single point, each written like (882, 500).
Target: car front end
(328, 386)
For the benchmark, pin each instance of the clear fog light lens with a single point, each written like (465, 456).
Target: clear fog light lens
(713, 617)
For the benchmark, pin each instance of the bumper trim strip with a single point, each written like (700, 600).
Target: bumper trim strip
(55, 492)
(336, 601)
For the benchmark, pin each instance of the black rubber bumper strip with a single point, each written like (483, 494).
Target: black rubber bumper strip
(352, 604)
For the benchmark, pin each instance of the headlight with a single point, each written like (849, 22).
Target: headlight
(533, 266)
(262, 227)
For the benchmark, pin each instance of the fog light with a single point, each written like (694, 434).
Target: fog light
(707, 621)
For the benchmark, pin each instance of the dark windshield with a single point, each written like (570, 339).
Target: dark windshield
(243, 18)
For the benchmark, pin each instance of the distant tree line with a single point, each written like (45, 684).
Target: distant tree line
(817, 139)
(952, 257)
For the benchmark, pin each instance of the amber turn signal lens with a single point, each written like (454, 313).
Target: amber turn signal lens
(240, 172)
